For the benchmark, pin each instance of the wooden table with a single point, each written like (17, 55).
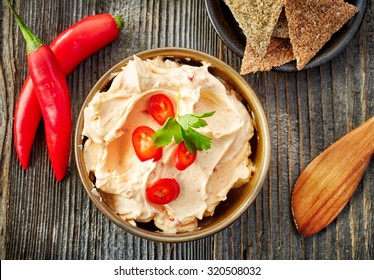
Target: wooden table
(307, 111)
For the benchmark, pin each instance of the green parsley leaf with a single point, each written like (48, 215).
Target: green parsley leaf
(191, 147)
(200, 141)
(183, 128)
(205, 115)
(171, 129)
(194, 121)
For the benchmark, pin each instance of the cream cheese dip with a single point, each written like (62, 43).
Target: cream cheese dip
(112, 116)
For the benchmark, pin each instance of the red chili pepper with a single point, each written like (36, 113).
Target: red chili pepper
(163, 191)
(161, 108)
(53, 95)
(71, 47)
(183, 158)
(143, 145)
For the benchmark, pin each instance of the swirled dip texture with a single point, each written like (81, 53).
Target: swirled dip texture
(111, 117)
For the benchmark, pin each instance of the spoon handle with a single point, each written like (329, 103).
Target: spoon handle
(329, 181)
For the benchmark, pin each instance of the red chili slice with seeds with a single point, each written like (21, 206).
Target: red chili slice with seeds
(143, 144)
(163, 191)
(183, 158)
(161, 108)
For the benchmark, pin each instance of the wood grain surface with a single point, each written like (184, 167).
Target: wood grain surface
(307, 111)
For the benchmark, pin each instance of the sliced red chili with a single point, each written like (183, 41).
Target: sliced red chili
(53, 95)
(160, 107)
(71, 47)
(183, 158)
(143, 144)
(163, 191)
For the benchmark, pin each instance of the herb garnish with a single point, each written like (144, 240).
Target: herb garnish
(183, 128)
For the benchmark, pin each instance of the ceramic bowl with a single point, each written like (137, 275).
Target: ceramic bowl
(231, 34)
(238, 200)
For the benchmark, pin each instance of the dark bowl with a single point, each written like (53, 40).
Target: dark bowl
(231, 34)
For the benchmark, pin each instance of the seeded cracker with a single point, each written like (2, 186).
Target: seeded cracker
(311, 24)
(257, 19)
(279, 53)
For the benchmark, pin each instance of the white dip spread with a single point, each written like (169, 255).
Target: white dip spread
(111, 117)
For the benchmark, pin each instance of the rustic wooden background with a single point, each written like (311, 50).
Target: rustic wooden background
(307, 111)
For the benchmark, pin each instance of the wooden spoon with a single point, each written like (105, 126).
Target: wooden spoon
(328, 182)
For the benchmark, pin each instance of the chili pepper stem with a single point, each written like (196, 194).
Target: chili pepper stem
(33, 43)
(119, 21)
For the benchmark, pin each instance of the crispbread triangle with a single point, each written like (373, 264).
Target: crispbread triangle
(311, 24)
(278, 53)
(257, 19)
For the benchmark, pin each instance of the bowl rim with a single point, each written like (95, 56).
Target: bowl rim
(260, 119)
